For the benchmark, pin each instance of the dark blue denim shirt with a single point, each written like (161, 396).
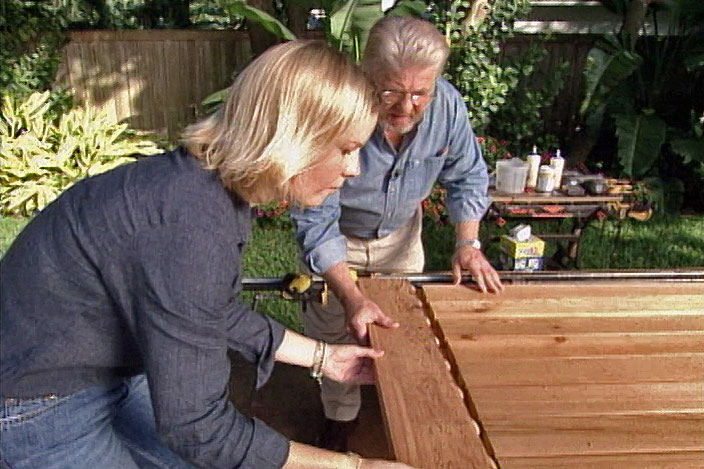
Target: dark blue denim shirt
(137, 271)
(393, 183)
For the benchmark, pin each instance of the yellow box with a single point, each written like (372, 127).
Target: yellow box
(533, 247)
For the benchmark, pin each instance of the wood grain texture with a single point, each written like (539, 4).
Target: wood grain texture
(428, 423)
(585, 375)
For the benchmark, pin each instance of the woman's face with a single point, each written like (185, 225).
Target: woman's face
(336, 162)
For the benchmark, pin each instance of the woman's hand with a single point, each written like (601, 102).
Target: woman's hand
(350, 363)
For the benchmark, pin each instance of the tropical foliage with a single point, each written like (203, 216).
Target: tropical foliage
(41, 155)
(501, 93)
(643, 88)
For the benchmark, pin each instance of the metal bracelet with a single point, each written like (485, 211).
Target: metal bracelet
(316, 369)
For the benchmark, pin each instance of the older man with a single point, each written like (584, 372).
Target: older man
(373, 223)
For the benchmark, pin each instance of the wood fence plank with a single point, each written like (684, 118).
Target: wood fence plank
(427, 420)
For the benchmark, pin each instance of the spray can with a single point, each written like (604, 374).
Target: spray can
(558, 164)
(546, 179)
(533, 165)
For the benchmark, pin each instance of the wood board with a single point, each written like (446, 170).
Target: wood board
(428, 424)
(595, 374)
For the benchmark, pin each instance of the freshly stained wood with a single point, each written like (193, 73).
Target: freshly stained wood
(427, 420)
(583, 375)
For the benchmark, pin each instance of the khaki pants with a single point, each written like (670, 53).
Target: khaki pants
(399, 252)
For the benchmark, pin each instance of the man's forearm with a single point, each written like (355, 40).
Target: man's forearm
(467, 230)
(342, 285)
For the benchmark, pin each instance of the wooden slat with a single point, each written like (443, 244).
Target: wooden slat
(596, 370)
(427, 420)
(492, 347)
(681, 460)
(562, 436)
(466, 326)
(496, 402)
(598, 375)
(615, 289)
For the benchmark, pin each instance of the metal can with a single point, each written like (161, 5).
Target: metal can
(546, 179)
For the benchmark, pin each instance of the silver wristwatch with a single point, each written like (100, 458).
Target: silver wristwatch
(475, 243)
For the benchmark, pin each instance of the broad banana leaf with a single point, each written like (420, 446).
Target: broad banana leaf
(640, 137)
(605, 70)
(262, 18)
(692, 149)
(350, 24)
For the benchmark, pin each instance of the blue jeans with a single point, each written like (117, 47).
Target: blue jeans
(99, 427)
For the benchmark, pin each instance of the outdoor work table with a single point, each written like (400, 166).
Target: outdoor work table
(537, 207)
(590, 374)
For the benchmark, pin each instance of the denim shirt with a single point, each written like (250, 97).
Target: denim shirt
(137, 271)
(392, 184)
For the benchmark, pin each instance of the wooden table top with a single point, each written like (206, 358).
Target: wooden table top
(555, 197)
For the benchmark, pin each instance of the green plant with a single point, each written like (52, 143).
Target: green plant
(519, 120)
(474, 66)
(31, 37)
(42, 156)
(644, 89)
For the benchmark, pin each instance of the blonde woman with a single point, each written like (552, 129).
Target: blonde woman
(119, 299)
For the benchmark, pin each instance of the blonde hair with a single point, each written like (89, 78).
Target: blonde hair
(398, 42)
(281, 111)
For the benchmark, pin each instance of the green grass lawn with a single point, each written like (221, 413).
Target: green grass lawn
(661, 243)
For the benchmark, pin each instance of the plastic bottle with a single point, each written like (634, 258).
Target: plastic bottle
(558, 164)
(533, 165)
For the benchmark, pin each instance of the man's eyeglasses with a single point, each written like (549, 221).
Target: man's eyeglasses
(394, 96)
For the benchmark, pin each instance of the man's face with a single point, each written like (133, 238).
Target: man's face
(404, 97)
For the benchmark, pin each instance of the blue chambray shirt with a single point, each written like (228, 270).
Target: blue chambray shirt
(392, 184)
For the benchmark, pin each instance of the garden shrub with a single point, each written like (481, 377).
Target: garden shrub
(42, 155)
(31, 37)
(502, 99)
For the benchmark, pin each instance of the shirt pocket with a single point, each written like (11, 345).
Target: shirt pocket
(424, 171)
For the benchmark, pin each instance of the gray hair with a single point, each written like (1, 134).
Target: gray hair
(399, 42)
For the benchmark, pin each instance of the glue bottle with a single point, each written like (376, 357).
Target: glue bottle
(533, 165)
(558, 164)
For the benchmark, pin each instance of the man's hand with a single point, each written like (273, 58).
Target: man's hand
(472, 259)
(361, 312)
(350, 363)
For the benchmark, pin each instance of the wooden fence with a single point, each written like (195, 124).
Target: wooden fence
(153, 79)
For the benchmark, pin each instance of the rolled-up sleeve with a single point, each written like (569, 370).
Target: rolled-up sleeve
(188, 317)
(318, 234)
(464, 174)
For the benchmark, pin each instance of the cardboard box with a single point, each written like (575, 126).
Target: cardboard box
(525, 264)
(532, 248)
